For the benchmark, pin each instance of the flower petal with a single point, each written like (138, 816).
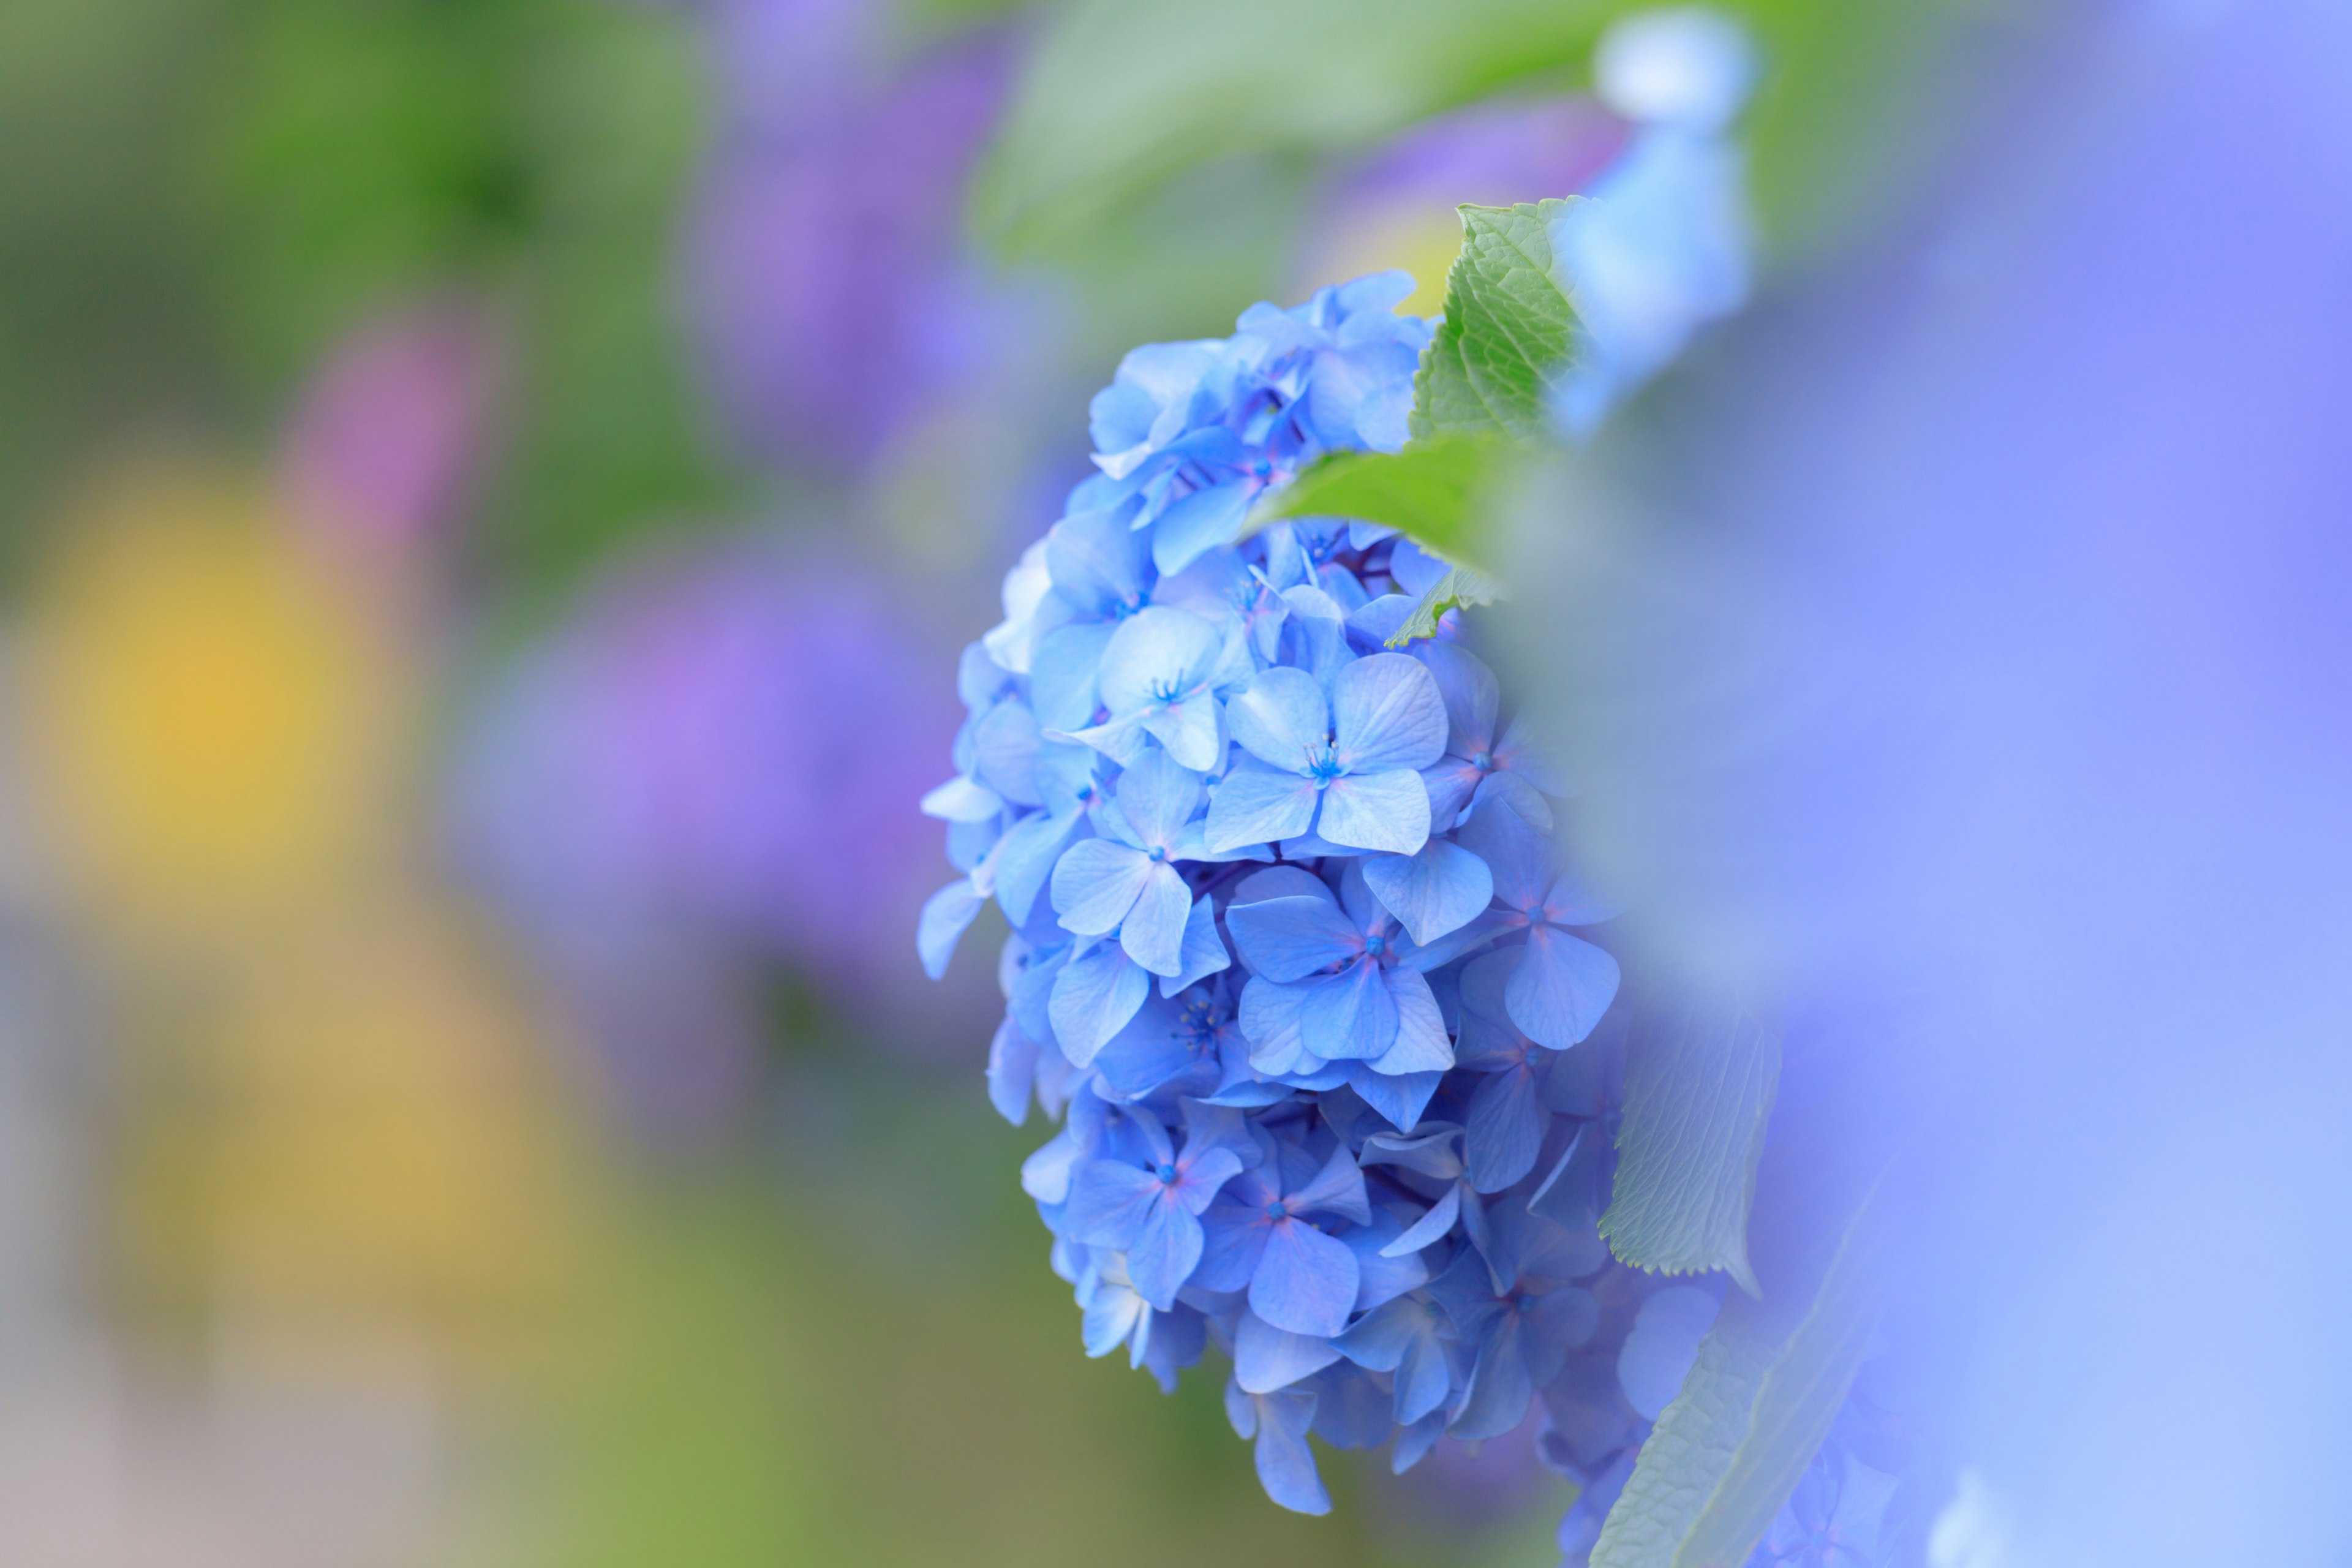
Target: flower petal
(1280, 717)
(1163, 1252)
(1109, 1201)
(1012, 1069)
(1289, 938)
(1437, 890)
(1198, 524)
(1153, 932)
(1255, 804)
(1156, 651)
(1269, 1021)
(1350, 1017)
(1521, 860)
(1506, 1129)
(1561, 987)
(1471, 694)
(1387, 713)
(961, 799)
(1158, 796)
(1267, 1358)
(1401, 1098)
(1421, 1044)
(1094, 996)
(946, 914)
(1203, 953)
(1386, 811)
(1430, 1230)
(1190, 730)
(1096, 882)
(1306, 1281)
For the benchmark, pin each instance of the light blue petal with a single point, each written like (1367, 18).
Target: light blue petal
(1377, 1341)
(1153, 932)
(946, 914)
(1147, 1053)
(1190, 730)
(1512, 790)
(1096, 882)
(1203, 1176)
(1156, 651)
(1109, 1202)
(1255, 804)
(1094, 996)
(1158, 796)
(1122, 740)
(1025, 856)
(1349, 1016)
(1430, 1151)
(1431, 1228)
(1204, 953)
(1387, 713)
(1523, 752)
(1417, 571)
(1424, 1379)
(1062, 674)
(1381, 1278)
(1385, 811)
(1098, 562)
(1286, 1465)
(1280, 717)
(1662, 1346)
(1421, 1044)
(1399, 1096)
(1521, 860)
(1561, 987)
(1337, 1188)
(1471, 692)
(1004, 754)
(1380, 619)
(1163, 1252)
(1500, 1390)
(1282, 882)
(1267, 1358)
(1199, 523)
(1116, 1316)
(1573, 901)
(1012, 1069)
(962, 799)
(1306, 1280)
(1269, 1021)
(1453, 784)
(1437, 890)
(1506, 1130)
(1287, 939)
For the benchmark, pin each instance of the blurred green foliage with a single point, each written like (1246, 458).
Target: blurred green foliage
(198, 197)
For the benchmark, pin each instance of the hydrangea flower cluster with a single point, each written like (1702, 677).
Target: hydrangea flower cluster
(1295, 958)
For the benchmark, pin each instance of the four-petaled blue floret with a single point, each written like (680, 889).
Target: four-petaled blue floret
(1296, 958)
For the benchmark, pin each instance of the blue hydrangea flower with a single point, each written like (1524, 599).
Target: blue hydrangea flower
(1291, 959)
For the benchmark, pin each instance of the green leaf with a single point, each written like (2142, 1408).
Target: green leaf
(1463, 585)
(1433, 490)
(1699, 1093)
(1120, 95)
(1756, 1407)
(1509, 334)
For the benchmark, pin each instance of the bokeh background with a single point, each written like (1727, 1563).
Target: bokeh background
(490, 495)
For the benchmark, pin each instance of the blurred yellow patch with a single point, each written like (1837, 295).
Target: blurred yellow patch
(1419, 238)
(209, 710)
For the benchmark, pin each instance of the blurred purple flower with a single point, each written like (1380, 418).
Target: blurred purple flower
(383, 440)
(824, 276)
(713, 761)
